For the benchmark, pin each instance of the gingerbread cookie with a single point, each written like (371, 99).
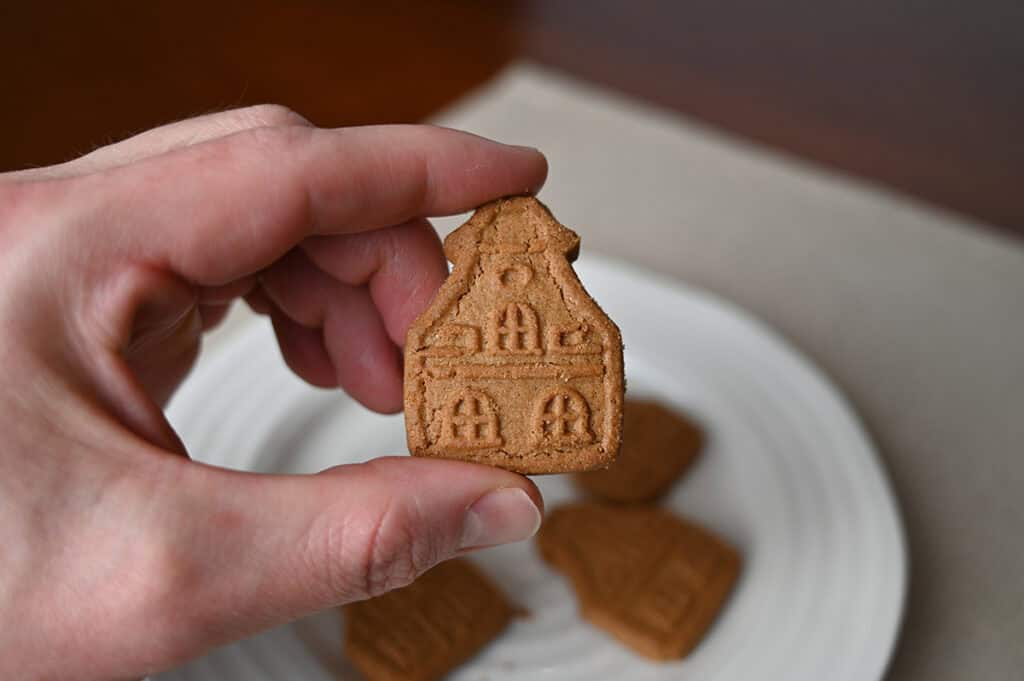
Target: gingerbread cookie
(513, 364)
(658, 445)
(424, 630)
(650, 579)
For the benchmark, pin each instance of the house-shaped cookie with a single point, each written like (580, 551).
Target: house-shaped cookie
(422, 631)
(513, 364)
(654, 581)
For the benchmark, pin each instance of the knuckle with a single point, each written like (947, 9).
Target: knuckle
(272, 156)
(163, 574)
(392, 555)
(274, 143)
(269, 115)
(388, 572)
(379, 551)
(171, 583)
(167, 572)
(422, 188)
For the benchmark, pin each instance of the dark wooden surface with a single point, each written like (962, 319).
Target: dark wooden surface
(926, 97)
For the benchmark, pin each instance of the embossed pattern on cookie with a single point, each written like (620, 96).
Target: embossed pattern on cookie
(422, 631)
(658, 446)
(513, 364)
(652, 580)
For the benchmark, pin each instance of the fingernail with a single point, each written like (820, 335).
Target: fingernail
(534, 151)
(501, 516)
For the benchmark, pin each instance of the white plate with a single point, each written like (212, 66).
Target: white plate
(789, 477)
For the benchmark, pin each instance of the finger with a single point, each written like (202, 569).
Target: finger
(258, 302)
(212, 315)
(252, 551)
(168, 138)
(223, 295)
(365, 361)
(402, 266)
(238, 203)
(187, 133)
(215, 301)
(303, 350)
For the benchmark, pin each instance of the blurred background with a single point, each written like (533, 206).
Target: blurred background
(923, 96)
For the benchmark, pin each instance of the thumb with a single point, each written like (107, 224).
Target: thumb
(258, 550)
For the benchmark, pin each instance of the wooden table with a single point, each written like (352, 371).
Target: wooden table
(927, 98)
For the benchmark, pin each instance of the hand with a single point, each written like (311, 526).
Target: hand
(119, 556)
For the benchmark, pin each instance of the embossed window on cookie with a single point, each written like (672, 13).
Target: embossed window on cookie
(571, 340)
(562, 417)
(454, 340)
(470, 422)
(513, 329)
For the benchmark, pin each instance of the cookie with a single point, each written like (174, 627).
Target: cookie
(658, 446)
(422, 631)
(513, 364)
(650, 579)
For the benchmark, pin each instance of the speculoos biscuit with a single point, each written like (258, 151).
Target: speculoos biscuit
(513, 364)
(422, 631)
(652, 580)
(658, 446)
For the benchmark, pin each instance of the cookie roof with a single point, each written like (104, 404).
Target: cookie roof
(517, 224)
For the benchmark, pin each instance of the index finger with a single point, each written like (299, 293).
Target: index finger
(226, 208)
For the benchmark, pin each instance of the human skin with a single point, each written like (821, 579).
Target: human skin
(119, 555)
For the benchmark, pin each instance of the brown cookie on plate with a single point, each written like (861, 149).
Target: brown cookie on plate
(513, 364)
(658, 446)
(650, 579)
(422, 631)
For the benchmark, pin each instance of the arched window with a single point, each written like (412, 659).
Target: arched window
(470, 422)
(562, 417)
(513, 329)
